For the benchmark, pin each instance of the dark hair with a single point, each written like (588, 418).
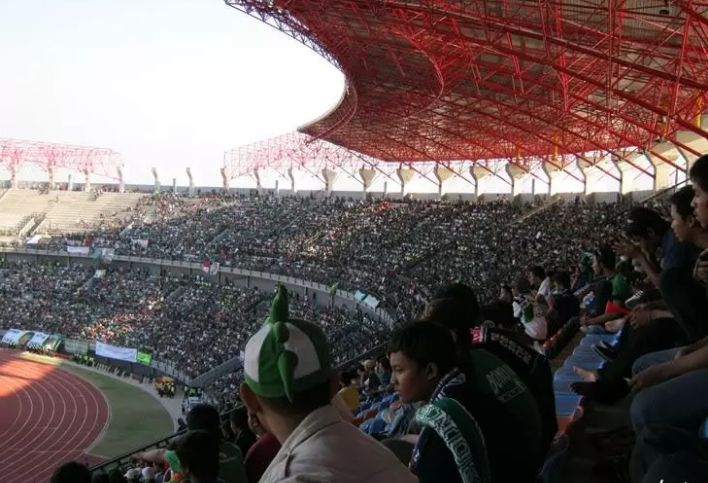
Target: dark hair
(239, 417)
(506, 287)
(521, 284)
(538, 271)
(425, 343)
(385, 363)
(205, 418)
(681, 200)
(452, 314)
(562, 278)
(71, 472)
(641, 221)
(346, 377)
(699, 172)
(100, 477)
(115, 476)
(606, 257)
(305, 401)
(198, 451)
(463, 294)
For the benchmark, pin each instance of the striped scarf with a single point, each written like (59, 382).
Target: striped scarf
(458, 429)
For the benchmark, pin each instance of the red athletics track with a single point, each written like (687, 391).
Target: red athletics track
(48, 416)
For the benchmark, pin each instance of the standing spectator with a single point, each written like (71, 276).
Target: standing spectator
(198, 454)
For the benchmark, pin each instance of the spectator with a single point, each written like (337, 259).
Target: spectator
(538, 279)
(453, 449)
(530, 366)
(289, 385)
(244, 437)
(349, 392)
(198, 454)
(71, 472)
(263, 451)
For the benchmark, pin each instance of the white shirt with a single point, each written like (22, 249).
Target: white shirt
(545, 288)
(326, 449)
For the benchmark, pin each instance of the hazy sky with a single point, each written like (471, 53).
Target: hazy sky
(168, 83)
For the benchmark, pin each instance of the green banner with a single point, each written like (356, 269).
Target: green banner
(144, 358)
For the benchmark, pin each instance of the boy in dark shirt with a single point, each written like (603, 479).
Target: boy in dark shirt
(465, 415)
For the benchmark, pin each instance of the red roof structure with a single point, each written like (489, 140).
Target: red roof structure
(521, 80)
(14, 153)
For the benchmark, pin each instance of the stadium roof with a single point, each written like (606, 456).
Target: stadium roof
(505, 79)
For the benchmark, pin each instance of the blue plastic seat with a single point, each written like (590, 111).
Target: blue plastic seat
(378, 426)
(562, 387)
(566, 404)
(585, 362)
(565, 373)
(366, 425)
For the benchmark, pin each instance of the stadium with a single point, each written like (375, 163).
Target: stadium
(491, 250)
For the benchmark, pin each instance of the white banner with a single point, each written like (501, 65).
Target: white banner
(38, 340)
(115, 352)
(141, 242)
(13, 336)
(78, 250)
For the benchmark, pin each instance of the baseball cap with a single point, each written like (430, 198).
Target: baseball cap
(286, 356)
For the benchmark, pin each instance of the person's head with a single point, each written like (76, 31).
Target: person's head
(132, 475)
(561, 280)
(71, 472)
(198, 454)
(520, 286)
(683, 220)
(646, 227)
(505, 294)
(205, 418)
(147, 475)
(226, 433)
(287, 370)
(421, 353)
(466, 303)
(100, 477)
(604, 261)
(383, 364)
(238, 420)
(536, 275)
(349, 378)
(699, 178)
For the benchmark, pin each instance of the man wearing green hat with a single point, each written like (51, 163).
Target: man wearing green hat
(289, 383)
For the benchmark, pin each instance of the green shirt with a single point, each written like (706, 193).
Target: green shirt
(620, 288)
(231, 467)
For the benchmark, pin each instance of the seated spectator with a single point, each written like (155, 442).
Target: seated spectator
(669, 455)
(262, 452)
(71, 472)
(198, 455)
(451, 445)
(240, 426)
(563, 304)
(533, 368)
(288, 386)
(203, 417)
(383, 371)
(349, 392)
(668, 380)
(539, 280)
(523, 310)
(604, 263)
(537, 328)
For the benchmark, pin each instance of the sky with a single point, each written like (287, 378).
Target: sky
(168, 84)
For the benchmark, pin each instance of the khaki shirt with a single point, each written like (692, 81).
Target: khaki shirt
(326, 449)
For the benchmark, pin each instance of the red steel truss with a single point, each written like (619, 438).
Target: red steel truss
(99, 161)
(434, 80)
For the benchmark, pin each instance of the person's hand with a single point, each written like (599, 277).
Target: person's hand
(701, 269)
(683, 351)
(626, 248)
(640, 318)
(650, 377)
(615, 326)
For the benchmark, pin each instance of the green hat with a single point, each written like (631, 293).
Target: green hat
(286, 356)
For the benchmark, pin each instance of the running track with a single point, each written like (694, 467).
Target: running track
(47, 416)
